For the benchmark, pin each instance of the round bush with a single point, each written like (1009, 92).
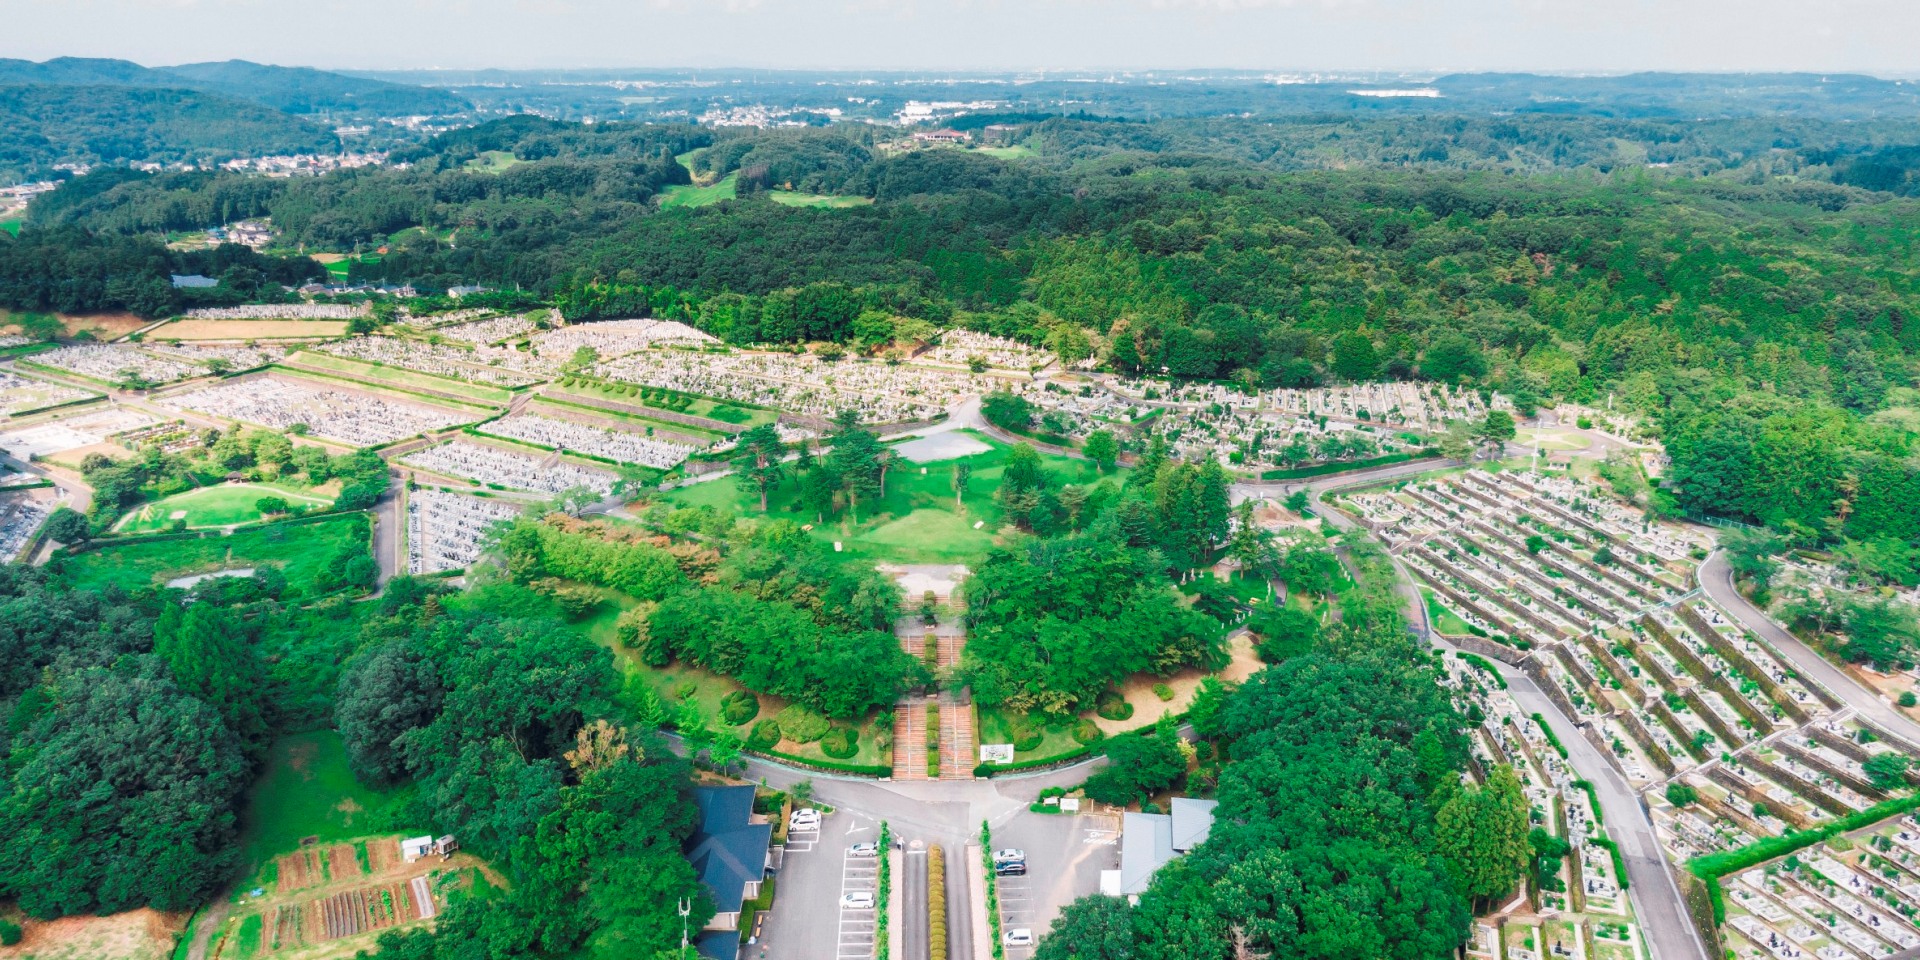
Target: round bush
(765, 735)
(1087, 732)
(1164, 692)
(841, 743)
(802, 725)
(1112, 706)
(738, 707)
(1025, 735)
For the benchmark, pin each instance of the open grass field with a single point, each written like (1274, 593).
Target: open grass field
(220, 506)
(308, 790)
(917, 521)
(789, 198)
(493, 161)
(699, 196)
(249, 330)
(300, 550)
(1550, 439)
(399, 379)
(1007, 153)
(11, 225)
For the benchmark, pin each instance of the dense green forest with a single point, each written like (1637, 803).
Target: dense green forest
(301, 90)
(48, 125)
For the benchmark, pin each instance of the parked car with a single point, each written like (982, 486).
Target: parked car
(1009, 855)
(864, 850)
(1022, 937)
(805, 818)
(1017, 868)
(857, 900)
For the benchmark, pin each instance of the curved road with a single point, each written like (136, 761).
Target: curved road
(1716, 578)
(1657, 903)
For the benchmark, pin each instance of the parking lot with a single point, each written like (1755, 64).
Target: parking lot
(806, 913)
(1065, 854)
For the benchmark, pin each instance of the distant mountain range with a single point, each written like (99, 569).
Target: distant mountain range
(296, 90)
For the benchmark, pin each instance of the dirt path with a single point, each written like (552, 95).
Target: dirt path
(204, 925)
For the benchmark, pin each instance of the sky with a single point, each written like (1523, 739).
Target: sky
(1565, 36)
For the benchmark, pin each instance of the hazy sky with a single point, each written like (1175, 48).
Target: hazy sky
(1873, 36)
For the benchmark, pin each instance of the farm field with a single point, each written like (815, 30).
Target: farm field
(249, 330)
(916, 522)
(220, 506)
(409, 381)
(307, 790)
(143, 934)
(300, 550)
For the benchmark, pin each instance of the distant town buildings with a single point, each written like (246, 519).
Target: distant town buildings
(940, 136)
(303, 164)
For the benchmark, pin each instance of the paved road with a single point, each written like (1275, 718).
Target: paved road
(387, 522)
(1657, 902)
(913, 903)
(1716, 578)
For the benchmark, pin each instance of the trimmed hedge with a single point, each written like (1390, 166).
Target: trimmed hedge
(1482, 663)
(936, 903)
(765, 736)
(1111, 706)
(841, 743)
(1087, 732)
(1553, 740)
(739, 707)
(829, 766)
(802, 725)
(882, 949)
(1321, 470)
(1712, 866)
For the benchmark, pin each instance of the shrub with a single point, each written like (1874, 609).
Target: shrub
(937, 902)
(802, 725)
(1086, 731)
(9, 932)
(739, 707)
(1907, 699)
(841, 743)
(765, 735)
(1112, 706)
(1025, 733)
(1679, 794)
(1164, 692)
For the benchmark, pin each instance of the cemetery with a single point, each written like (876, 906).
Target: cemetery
(968, 350)
(556, 431)
(1729, 744)
(486, 332)
(445, 530)
(354, 417)
(483, 366)
(1585, 891)
(614, 338)
(805, 385)
(496, 466)
(20, 394)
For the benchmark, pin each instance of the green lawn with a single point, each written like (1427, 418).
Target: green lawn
(308, 790)
(492, 161)
(1443, 619)
(403, 380)
(789, 198)
(11, 225)
(917, 521)
(698, 196)
(301, 550)
(1007, 153)
(996, 726)
(220, 506)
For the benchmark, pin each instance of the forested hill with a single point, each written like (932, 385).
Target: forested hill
(47, 125)
(300, 90)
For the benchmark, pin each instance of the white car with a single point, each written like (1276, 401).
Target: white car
(1020, 938)
(804, 819)
(1009, 855)
(857, 900)
(864, 850)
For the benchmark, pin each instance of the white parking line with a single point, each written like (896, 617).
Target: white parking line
(857, 924)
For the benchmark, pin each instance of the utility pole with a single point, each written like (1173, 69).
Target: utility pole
(686, 908)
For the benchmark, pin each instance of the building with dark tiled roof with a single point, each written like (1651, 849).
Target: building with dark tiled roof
(730, 853)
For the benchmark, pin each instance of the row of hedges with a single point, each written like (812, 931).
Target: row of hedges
(1484, 665)
(936, 903)
(993, 891)
(1713, 866)
(1552, 738)
(882, 949)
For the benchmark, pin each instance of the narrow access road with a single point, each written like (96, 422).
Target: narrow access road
(1657, 903)
(1716, 578)
(912, 891)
